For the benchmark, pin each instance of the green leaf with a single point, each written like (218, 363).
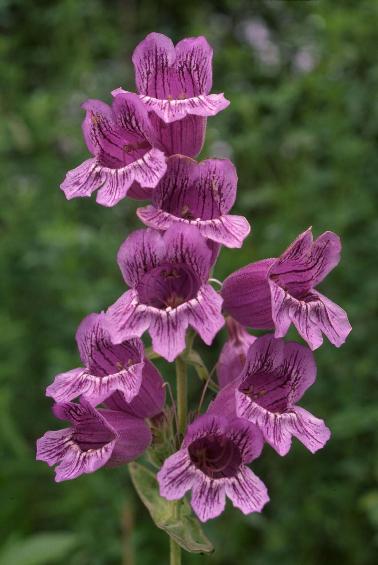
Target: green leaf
(175, 518)
(39, 549)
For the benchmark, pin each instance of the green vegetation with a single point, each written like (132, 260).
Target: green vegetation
(302, 130)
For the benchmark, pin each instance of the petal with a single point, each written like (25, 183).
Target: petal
(185, 136)
(311, 316)
(277, 374)
(153, 58)
(234, 352)
(228, 230)
(204, 313)
(101, 133)
(276, 428)
(150, 399)
(208, 497)
(246, 491)
(127, 318)
(306, 263)
(77, 462)
(299, 365)
(176, 475)
(52, 447)
(142, 251)
(264, 356)
(83, 180)
(184, 244)
(207, 424)
(167, 330)
(84, 448)
(247, 437)
(172, 110)
(98, 353)
(311, 431)
(134, 436)
(147, 171)
(247, 297)
(194, 58)
(132, 118)
(206, 190)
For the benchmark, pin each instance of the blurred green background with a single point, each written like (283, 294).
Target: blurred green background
(302, 127)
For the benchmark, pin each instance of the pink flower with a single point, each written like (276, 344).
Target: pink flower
(212, 463)
(234, 352)
(168, 276)
(277, 292)
(121, 138)
(200, 195)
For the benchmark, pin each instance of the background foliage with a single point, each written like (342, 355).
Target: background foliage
(302, 78)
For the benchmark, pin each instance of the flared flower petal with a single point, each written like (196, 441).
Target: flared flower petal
(176, 476)
(311, 431)
(246, 491)
(204, 313)
(312, 316)
(173, 110)
(208, 497)
(199, 194)
(246, 295)
(234, 352)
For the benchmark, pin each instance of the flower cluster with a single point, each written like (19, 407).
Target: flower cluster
(143, 146)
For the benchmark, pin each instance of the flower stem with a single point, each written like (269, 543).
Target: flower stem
(181, 393)
(175, 553)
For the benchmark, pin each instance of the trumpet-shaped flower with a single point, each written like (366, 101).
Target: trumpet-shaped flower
(122, 141)
(278, 292)
(107, 367)
(199, 194)
(96, 438)
(168, 276)
(212, 463)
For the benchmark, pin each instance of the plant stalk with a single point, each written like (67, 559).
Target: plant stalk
(175, 553)
(181, 394)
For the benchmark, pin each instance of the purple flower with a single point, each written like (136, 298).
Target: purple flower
(212, 463)
(96, 438)
(175, 81)
(107, 367)
(168, 276)
(234, 352)
(199, 194)
(274, 379)
(277, 292)
(174, 84)
(121, 139)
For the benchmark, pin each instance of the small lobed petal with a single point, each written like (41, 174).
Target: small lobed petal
(176, 476)
(208, 497)
(246, 491)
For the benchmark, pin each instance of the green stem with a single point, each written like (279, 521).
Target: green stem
(181, 392)
(175, 553)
